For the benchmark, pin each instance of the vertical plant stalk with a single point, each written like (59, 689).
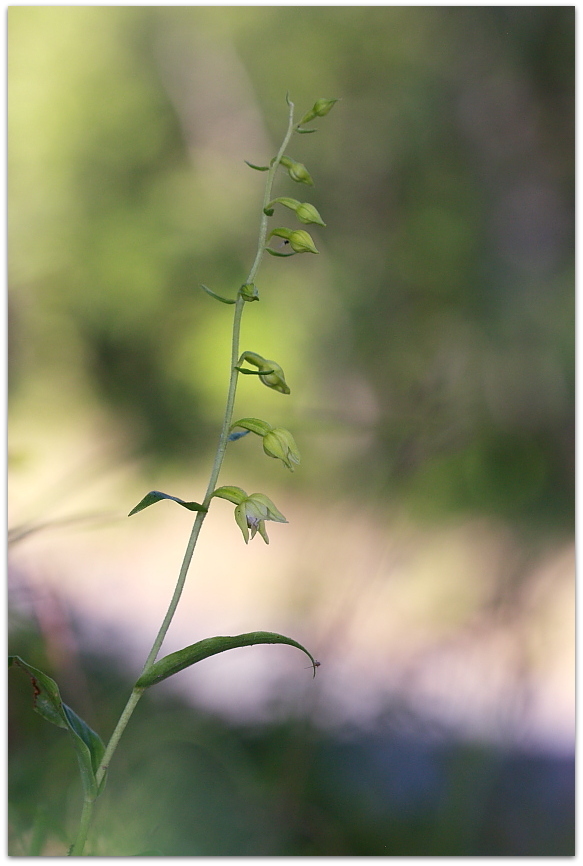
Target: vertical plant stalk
(88, 805)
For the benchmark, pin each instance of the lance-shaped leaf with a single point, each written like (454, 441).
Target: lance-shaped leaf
(238, 435)
(48, 704)
(277, 254)
(155, 496)
(258, 167)
(217, 297)
(188, 656)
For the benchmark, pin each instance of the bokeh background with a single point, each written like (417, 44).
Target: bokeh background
(428, 560)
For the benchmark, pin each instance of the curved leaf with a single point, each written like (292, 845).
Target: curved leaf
(217, 297)
(188, 656)
(278, 255)
(254, 372)
(257, 167)
(48, 704)
(155, 496)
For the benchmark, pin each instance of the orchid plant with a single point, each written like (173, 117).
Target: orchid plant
(252, 511)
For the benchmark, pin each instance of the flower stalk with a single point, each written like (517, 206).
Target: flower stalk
(251, 511)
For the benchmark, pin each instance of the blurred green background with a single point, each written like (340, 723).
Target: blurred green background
(430, 352)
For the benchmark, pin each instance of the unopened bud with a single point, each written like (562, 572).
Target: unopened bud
(299, 240)
(297, 171)
(320, 108)
(269, 372)
(307, 213)
(249, 292)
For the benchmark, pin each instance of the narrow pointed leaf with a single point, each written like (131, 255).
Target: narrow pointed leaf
(188, 656)
(238, 435)
(48, 704)
(217, 297)
(305, 131)
(247, 372)
(279, 255)
(155, 496)
(258, 167)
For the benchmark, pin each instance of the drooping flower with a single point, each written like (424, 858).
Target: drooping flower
(251, 512)
(280, 443)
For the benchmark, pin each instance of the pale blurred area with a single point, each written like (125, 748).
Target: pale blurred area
(428, 562)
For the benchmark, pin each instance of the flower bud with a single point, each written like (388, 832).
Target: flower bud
(307, 213)
(297, 171)
(320, 108)
(249, 292)
(280, 443)
(273, 376)
(299, 240)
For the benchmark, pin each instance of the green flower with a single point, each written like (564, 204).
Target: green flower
(297, 171)
(280, 443)
(251, 512)
(277, 442)
(299, 239)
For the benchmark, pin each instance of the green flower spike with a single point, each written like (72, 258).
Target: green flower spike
(299, 240)
(251, 512)
(279, 443)
(297, 171)
(269, 372)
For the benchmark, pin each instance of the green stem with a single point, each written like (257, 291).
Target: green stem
(85, 821)
(218, 462)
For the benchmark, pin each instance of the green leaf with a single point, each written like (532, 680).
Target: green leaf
(155, 496)
(233, 494)
(256, 425)
(279, 255)
(188, 656)
(258, 167)
(48, 704)
(305, 131)
(247, 372)
(217, 297)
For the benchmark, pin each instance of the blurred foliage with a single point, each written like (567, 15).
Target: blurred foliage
(190, 784)
(436, 329)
